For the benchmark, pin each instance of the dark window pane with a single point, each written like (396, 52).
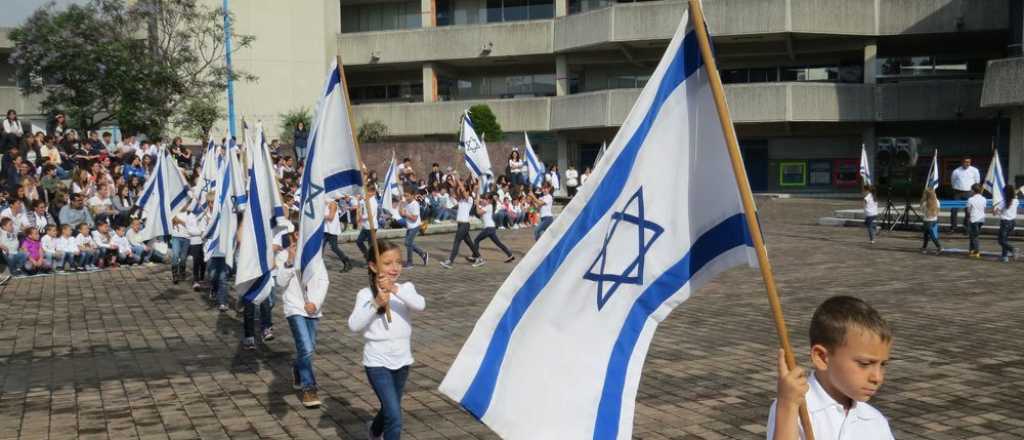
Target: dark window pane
(516, 10)
(493, 11)
(444, 12)
(734, 76)
(541, 9)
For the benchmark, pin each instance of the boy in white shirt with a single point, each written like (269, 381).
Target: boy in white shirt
(125, 253)
(139, 247)
(850, 345)
(545, 204)
(86, 247)
(411, 213)
(69, 247)
(107, 256)
(976, 215)
(51, 249)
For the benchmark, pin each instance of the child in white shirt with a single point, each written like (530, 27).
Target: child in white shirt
(870, 211)
(125, 253)
(86, 247)
(51, 249)
(107, 250)
(1007, 218)
(69, 247)
(976, 219)
(387, 353)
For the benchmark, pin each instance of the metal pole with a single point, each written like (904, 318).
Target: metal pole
(227, 63)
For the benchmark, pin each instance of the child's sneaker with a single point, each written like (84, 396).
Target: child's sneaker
(479, 262)
(369, 432)
(510, 259)
(310, 399)
(249, 343)
(223, 308)
(268, 334)
(446, 264)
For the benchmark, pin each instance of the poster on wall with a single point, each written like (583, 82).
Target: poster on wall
(793, 174)
(819, 172)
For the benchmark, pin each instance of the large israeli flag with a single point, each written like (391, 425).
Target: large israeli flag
(475, 154)
(995, 182)
(534, 167)
(558, 352)
(332, 167)
(262, 214)
(165, 192)
(865, 166)
(933, 173)
(229, 191)
(390, 189)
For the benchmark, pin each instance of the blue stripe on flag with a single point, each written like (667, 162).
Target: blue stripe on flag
(473, 165)
(257, 225)
(533, 163)
(160, 194)
(179, 198)
(313, 245)
(727, 235)
(255, 288)
(278, 211)
(342, 179)
(335, 81)
(478, 396)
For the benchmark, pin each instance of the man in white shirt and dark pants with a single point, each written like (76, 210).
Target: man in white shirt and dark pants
(963, 178)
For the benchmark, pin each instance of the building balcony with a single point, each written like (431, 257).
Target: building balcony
(749, 103)
(447, 43)
(1003, 80)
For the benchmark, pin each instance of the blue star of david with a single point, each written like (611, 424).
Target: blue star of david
(315, 190)
(644, 242)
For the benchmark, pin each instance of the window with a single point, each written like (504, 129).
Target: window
(394, 92)
(507, 86)
(892, 69)
(519, 10)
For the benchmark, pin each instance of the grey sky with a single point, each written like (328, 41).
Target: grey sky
(16, 11)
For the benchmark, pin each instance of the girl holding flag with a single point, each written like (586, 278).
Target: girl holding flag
(930, 204)
(387, 353)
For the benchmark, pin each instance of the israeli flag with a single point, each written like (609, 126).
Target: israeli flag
(263, 213)
(163, 195)
(995, 182)
(865, 166)
(475, 153)
(933, 173)
(559, 351)
(534, 167)
(390, 188)
(332, 168)
(223, 227)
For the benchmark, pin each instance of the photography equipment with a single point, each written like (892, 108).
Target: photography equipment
(902, 156)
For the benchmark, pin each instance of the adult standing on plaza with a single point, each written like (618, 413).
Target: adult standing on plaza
(300, 137)
(963, 178)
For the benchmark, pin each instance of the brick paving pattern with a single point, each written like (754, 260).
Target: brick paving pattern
(126, 354)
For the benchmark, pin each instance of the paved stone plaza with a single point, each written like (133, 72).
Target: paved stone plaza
(126, 354)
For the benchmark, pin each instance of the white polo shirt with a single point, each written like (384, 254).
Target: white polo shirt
(976, 207)
(412, 208)
(962, 179)
(1010, 213)
(831, 421)
(463, 213)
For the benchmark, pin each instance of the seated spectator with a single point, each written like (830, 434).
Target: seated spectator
(37, 217)
(15, 212)
(52, 253)
(75, 213)
(101, 206)
(12, 131)
(10, 248)
(33, 250)
(69, 247)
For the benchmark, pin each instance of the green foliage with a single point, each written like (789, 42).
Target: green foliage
(372, 131)
(485, 123)
(290, 119)
(199, 116)
(89, 61)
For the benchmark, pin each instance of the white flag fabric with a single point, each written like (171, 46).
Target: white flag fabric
(865, 166)
(263, 213)
(559, 351)
(391, 190)
(933, 173)
(36, 129)
(534, 167)
(223, 227)
(995, 182)
(475, 154)
(332, 167)
(164, 193)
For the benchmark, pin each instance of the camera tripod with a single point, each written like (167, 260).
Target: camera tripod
(893, 216)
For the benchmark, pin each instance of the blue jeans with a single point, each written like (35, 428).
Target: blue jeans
(1005, 229)
(973, 231)
(219, 279)
(931, 233)
(54, 259)
(361, 240)
(869, 222)
(15, 262)
(389, 385)
(179, 252)
(266, 316)
(304, 333)
(542, 226)
(410, 245)
(140, 253)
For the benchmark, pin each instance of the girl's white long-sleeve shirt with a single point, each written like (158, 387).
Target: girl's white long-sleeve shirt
(387, 344)
(294, 302)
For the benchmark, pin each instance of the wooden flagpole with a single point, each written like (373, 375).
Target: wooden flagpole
(362, 168)
(711, 68)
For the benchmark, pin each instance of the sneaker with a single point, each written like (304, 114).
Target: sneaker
(4, 279)
(471, 259)
(924, 251)
(446, 264)
(296, 380)
(222, 308)
(195, 286)
(479, 262)
(1005, 259)
(310, 399)
(975, 255)
(249, 343)
(268, 334)
(872, 242)
(369, 432)
(510, 259)
(346, 266)
(426, 258)
(938, 251)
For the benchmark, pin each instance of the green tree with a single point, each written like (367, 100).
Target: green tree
(199, 116)
(292, 117)
(485, 123)
(372, 131)
(139, 66)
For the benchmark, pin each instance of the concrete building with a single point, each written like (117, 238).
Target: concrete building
(808, 81)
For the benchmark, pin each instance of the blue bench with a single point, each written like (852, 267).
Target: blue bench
(962, 204)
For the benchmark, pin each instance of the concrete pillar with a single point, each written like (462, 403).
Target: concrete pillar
(563, 162)
(1015, 166)
(428, 14)
(870, 57)
(561, 75)
(429, 82)
(561, 8)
